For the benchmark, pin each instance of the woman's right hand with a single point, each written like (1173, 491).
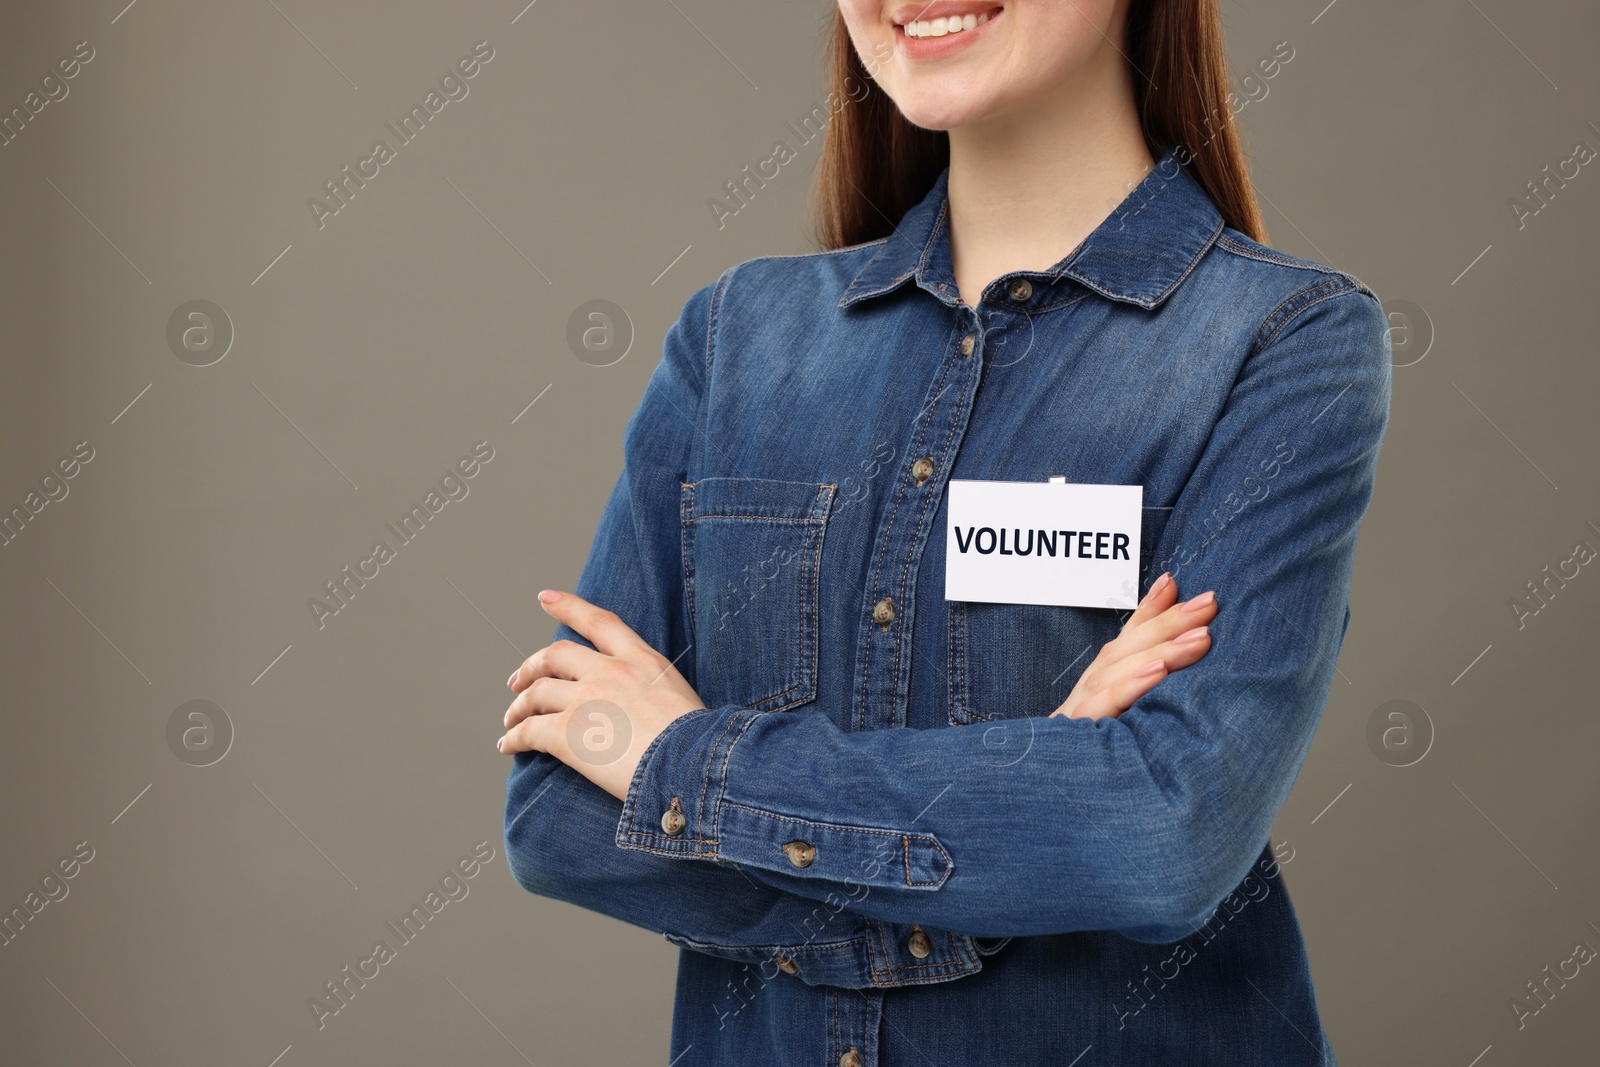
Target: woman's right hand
(1160, 637)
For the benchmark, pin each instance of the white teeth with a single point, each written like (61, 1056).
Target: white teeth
(942, 26)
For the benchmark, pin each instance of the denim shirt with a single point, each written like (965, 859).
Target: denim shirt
(889, 852)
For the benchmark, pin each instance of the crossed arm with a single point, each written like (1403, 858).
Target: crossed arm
(1139, 822)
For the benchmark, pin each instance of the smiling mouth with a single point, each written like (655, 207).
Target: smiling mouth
(945, 25)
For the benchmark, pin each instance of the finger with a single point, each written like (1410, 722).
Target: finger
(605, 629)
(1175, 620)
(1182, 651)
(558, 659)
(1186, 649)
(537, 733)
(1162, 595)
(1119, 694)
(548, 697)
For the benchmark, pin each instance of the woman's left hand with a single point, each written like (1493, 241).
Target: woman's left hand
(596, 710)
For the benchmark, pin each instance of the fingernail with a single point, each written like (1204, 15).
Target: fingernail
(511, 681)
(1200, 601)
(548, 596)
(500, 745)
(1153, 667)
(1158, 585)
(1192, 635)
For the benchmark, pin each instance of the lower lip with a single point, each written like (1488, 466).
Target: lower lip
(949, 44)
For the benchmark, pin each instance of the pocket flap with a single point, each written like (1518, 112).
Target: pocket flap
(759, 498)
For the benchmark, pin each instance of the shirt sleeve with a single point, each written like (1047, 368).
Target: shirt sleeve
(560, 830)
(1140, 824)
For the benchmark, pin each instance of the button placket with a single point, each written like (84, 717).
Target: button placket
(855, 1018)
(907, 518)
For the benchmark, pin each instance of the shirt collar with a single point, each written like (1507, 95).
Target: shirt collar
(1138, 254)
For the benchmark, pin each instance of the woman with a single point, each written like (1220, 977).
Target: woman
(889, 828)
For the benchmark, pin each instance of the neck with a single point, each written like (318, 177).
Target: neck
(1028, 184)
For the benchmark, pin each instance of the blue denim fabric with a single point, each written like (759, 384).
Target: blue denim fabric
(989, 885)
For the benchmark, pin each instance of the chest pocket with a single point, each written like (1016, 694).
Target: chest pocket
(1007, 661)
(752, 551)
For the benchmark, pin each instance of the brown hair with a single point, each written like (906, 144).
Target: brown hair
(876, 165)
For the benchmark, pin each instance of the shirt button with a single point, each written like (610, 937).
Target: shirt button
(786, 965)
(922, 469)
(851, 1058)
(800, 853)
(1021, 290)
(883, 612)
(920, 944)
(968, 341)
(673, 822)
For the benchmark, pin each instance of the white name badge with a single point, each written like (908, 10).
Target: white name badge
(1063, 543)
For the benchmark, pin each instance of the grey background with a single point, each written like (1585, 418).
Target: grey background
(432, 311)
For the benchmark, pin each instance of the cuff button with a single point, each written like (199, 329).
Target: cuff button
(800, 853)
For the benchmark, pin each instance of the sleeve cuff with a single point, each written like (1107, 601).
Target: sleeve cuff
(677, 805)
(671, 805)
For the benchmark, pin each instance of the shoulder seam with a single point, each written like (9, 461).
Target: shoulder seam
(1268, 256)
(727, 276)
(711, 319)
(1305, 300)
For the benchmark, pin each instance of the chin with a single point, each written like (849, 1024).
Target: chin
(940, 113)
(1012, 51)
